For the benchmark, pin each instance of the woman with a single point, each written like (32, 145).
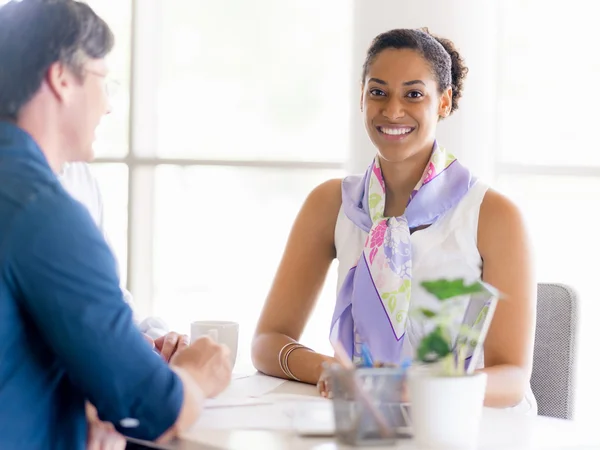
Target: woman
(415, 214)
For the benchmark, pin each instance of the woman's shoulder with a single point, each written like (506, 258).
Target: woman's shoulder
(498, 209)
(499, 218)
(326, 197)
(318, 215)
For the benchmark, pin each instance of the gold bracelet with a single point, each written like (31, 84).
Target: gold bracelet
(284, 355)
(283, 349)
(285, 361)
(289, 344)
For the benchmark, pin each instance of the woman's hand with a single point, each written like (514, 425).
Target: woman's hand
(323, 385)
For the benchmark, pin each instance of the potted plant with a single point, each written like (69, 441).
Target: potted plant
(446, 393)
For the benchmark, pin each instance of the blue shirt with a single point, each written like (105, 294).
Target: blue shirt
(66, 335)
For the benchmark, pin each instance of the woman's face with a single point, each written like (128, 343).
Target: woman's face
(401, 104)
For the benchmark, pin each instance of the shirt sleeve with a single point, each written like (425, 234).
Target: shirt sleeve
(66, 277)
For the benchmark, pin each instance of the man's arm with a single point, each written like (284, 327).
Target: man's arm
(66, 278)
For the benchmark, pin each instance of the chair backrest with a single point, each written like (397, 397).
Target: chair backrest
(553, 377)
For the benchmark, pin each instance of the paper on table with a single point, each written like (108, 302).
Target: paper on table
(267, 399)
(293, 398)
(312, 418)
(274, 416)
(254, 386)
(213, 403)
(272, 412)
(238, 376)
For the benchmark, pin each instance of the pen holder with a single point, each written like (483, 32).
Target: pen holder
(362, 398)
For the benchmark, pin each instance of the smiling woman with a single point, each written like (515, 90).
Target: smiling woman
(409, 111)
(415, 214)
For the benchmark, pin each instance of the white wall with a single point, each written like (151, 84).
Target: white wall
(470, 132)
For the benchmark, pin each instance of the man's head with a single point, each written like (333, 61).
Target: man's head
(53, 72)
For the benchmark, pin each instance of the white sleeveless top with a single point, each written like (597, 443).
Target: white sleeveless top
(446, 249)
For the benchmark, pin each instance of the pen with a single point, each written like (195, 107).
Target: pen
(366, 355)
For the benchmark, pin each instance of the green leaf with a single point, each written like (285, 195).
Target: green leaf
(400, 316)
(427, 313)
(392, 303)
(446, 289)
(374, 200)
(405, 286)
(433, 347)
(385, 295)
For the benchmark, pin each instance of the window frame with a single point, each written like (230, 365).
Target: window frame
(141, 159)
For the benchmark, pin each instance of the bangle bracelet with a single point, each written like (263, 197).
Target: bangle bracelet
(283, 358)
(285, 362)
(283, 349)
(284, 355)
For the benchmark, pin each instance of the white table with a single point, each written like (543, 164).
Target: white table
(500, 429)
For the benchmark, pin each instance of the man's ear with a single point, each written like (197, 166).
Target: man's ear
(59, 80)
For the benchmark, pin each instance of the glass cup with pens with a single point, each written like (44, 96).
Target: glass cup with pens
(368, 399)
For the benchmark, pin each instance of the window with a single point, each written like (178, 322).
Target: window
(112, 141)
(113, 132)
(548, 160)
(269, 82)
(234, 118)
(218, 247)
(113, 180)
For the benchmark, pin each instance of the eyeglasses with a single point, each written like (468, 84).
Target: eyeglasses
(111, 85)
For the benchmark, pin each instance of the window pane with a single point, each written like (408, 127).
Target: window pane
(564, 225)
(219, 237)
(548, 92)
(255, 80)
(113, 132)
(113, 180)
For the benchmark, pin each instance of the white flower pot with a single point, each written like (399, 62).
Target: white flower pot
(446, 411)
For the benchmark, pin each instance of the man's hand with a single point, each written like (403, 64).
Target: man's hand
(169, 344)
(102, 435)
(208, 363)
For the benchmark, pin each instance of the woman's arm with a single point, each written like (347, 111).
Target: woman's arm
(507, 265)
(299, 280)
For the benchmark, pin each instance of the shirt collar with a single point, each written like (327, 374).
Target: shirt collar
(17, 142)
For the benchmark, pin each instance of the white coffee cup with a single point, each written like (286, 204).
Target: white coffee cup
(223, 332)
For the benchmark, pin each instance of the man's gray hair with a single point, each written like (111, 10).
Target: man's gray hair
(34, 34)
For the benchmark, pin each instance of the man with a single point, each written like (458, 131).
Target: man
(79, 181)
(66, 335)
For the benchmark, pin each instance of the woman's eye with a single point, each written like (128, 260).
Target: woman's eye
(377, 92)
(414, 94)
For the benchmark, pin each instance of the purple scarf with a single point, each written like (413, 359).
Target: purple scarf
(374, 299)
